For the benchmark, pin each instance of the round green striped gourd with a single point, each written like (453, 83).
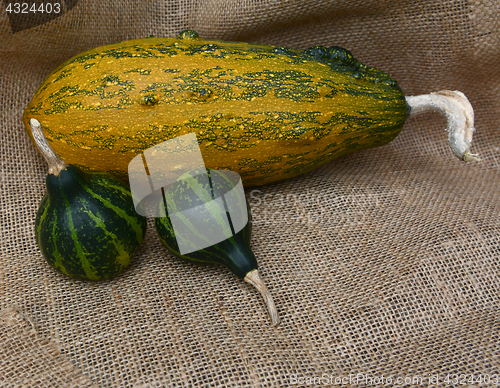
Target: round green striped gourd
(208, 215)
(86, 226)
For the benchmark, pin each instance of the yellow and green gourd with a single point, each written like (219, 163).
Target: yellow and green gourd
(268, 113)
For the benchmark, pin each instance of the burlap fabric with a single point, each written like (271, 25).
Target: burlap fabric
(383, 264)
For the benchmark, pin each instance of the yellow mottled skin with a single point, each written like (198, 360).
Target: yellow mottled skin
(266, 115)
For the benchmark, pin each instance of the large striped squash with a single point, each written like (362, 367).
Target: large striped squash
(266, 112)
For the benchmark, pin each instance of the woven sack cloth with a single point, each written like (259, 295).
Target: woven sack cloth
(384, 264)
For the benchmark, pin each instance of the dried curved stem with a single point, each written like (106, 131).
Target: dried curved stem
(459, 114)
(255, 280)
(56, 164)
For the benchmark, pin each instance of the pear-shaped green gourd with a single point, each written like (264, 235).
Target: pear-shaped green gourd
(206, 219)
(86, 226)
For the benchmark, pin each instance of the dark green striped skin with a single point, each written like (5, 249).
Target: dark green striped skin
(234, 253)
(86, 226)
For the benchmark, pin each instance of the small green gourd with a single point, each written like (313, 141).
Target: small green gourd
(86, 226)
(194, 205)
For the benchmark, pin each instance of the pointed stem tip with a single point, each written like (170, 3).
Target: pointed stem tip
(255, 280)
(56, 164)
(459, 114)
